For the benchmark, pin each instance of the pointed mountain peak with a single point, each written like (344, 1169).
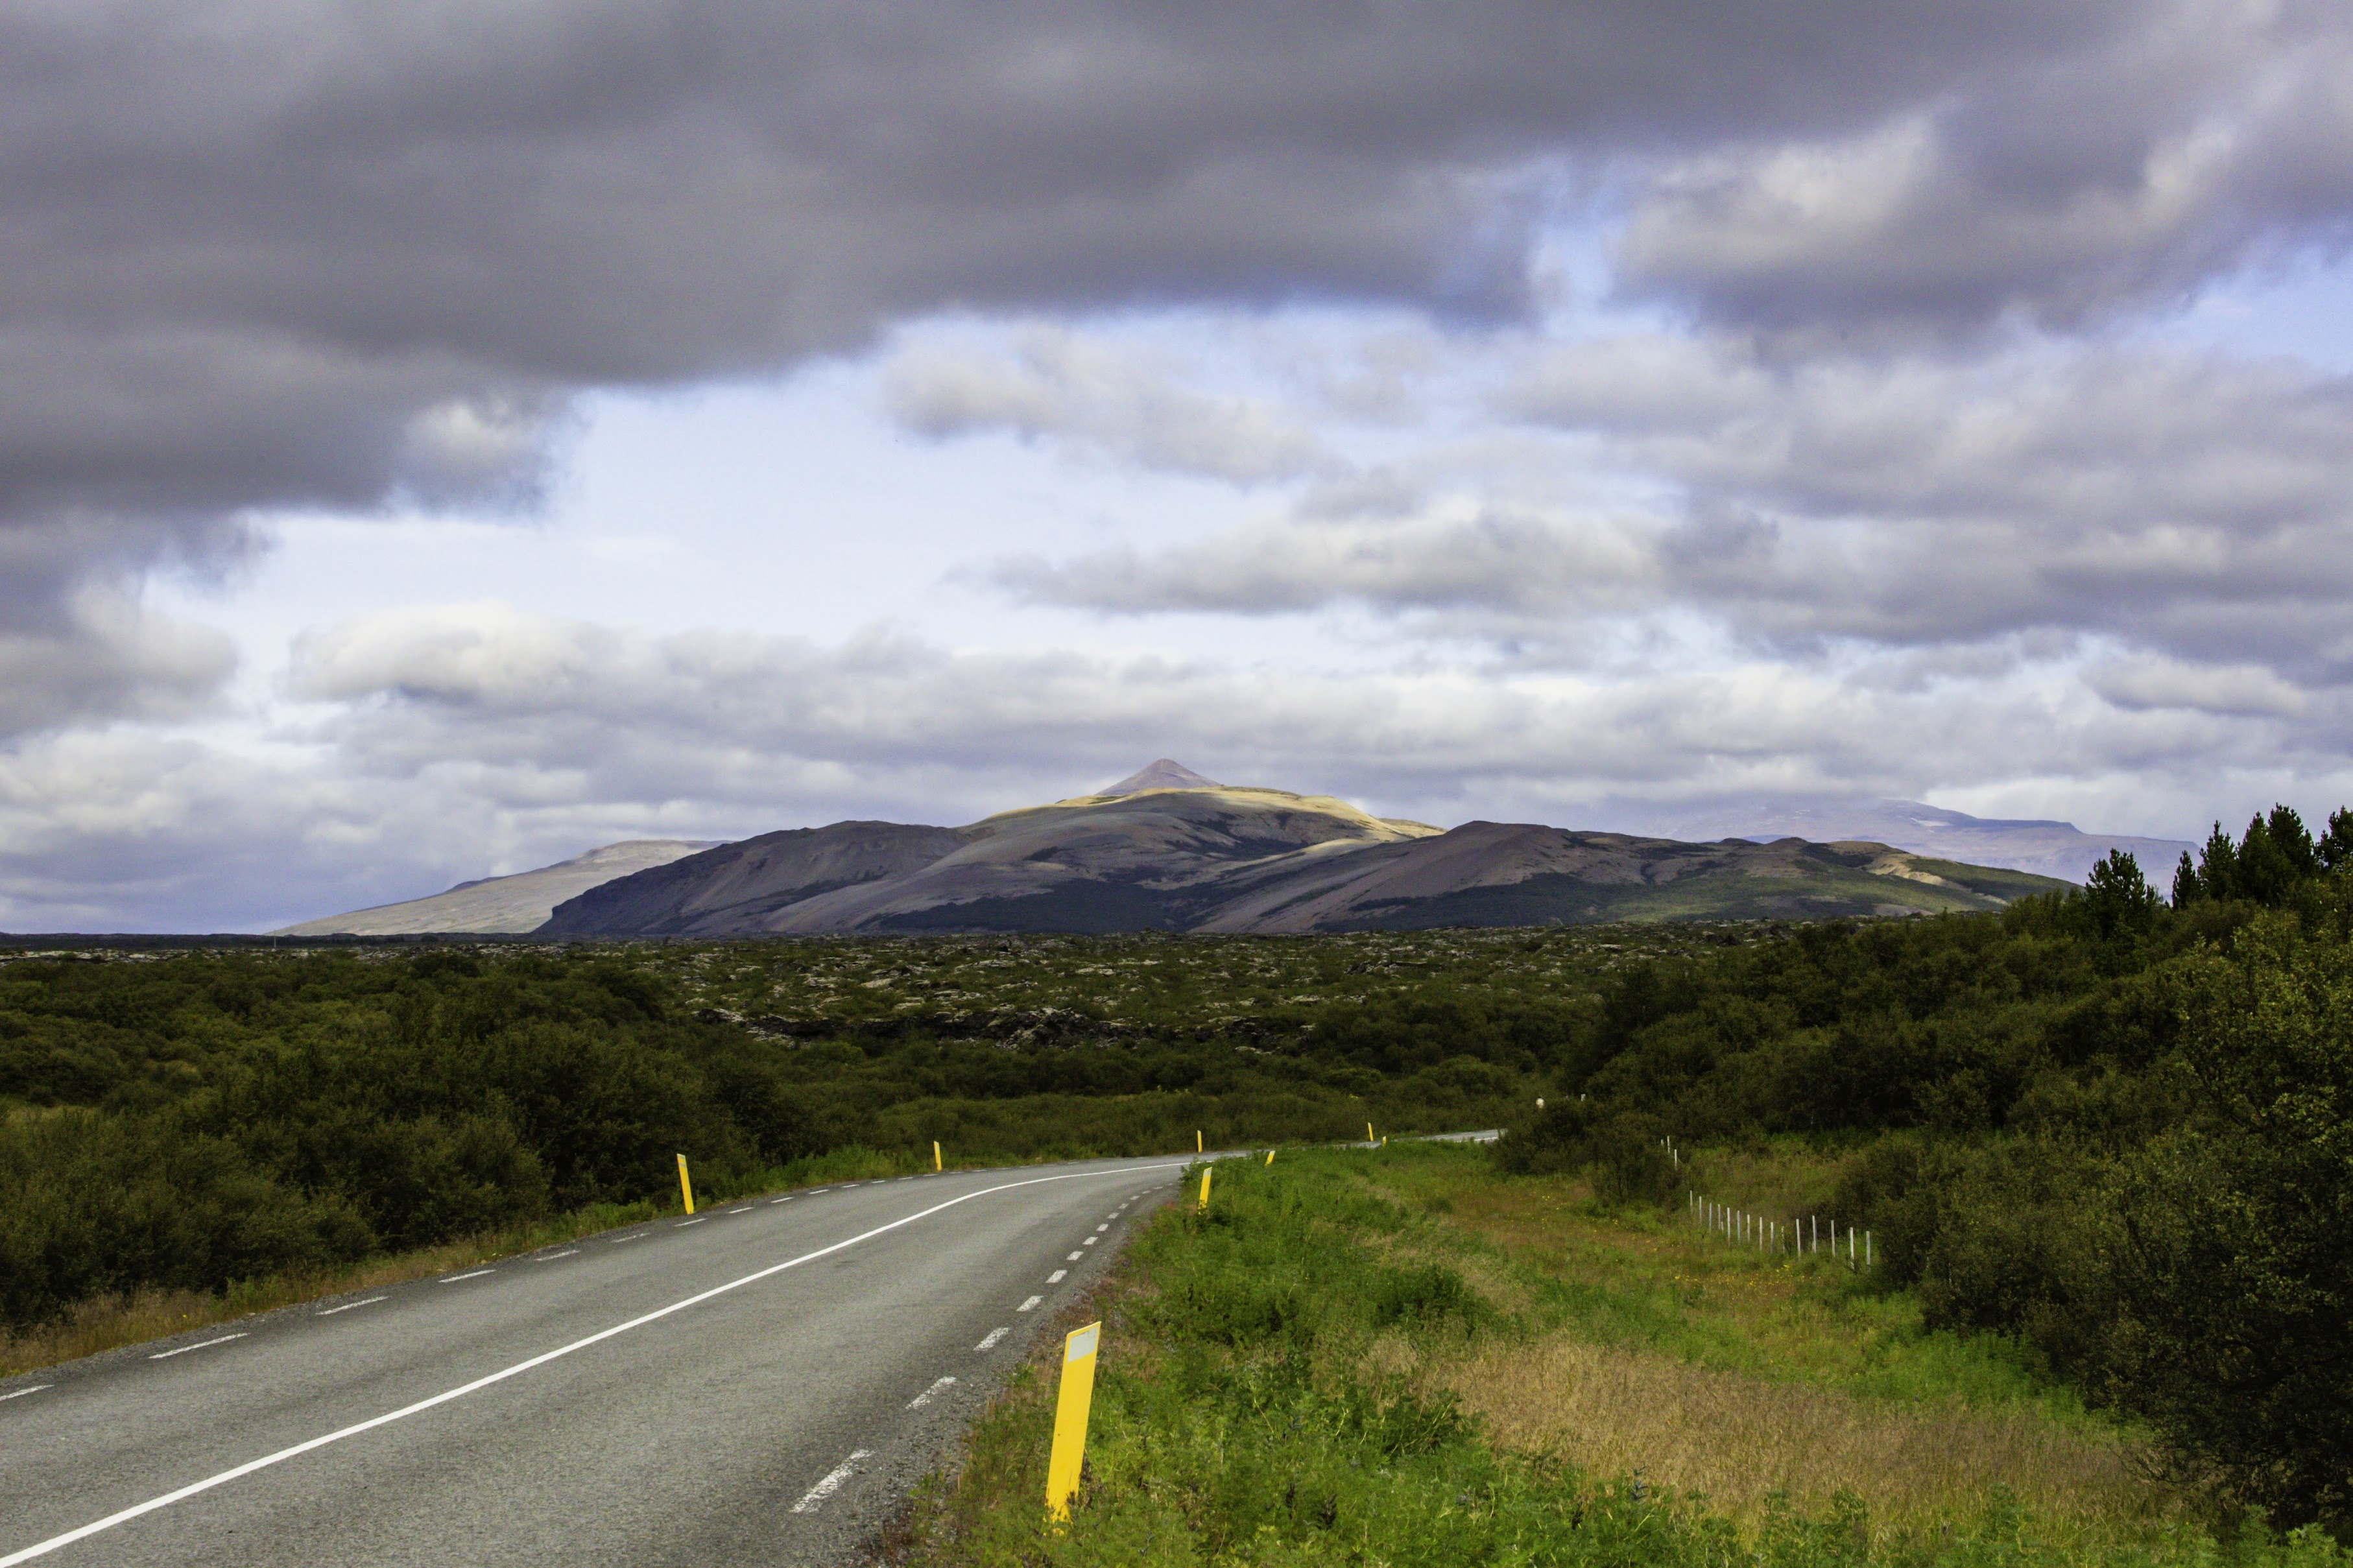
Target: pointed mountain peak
(1161, 774)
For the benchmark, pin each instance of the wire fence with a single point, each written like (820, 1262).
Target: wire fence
(1794, 1234)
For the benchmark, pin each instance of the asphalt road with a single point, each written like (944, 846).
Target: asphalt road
(759, 1384)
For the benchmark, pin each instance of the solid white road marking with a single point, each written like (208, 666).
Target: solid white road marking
(238, 1472)
(988, 1342)
(347, 1306)
(22, 1391)
(832, 1482)
(477, 1274)
(552, 1257)
(207, 1344)
(1056, 1277)
(1030, 1303)
(926, 1396)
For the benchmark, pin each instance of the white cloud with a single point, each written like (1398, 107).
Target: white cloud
(1057, 385)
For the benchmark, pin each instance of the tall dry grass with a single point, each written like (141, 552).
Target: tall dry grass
(1738, 1440)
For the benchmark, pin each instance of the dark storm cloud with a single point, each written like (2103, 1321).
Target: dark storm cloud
(2212, 136)
(271, 254)
(290, 253)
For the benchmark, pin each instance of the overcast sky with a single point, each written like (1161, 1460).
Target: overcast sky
(440, 438)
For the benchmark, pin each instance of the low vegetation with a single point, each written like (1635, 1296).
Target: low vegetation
(2102, 1144)
(1403, 1357)
(2116, 1133)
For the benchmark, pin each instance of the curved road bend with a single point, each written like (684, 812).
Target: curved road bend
(759, 1384)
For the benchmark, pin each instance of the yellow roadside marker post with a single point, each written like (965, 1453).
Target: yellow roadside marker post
(1269, 1156)
(1368, 1133)
(1204, 1188)
(1077, 1393)
(685, 1187)
(935, 1156)
(1197, 1140)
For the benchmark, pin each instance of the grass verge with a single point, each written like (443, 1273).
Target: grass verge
(1328, 1366)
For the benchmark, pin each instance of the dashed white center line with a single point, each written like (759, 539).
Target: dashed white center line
(476, 1274)
(530, 1363)
(1087, 1242)
(989, 1341)
(207, 1344)
(698, 1219)
(785, 1199)
(825, 1488)
(1056, 1277)
(814, 1191)
(616, 1241)
(347, 1307)
(1074, 1258)
(932, 1393)
(22, 1391)
(1101, 1229)
(1030, 1303)
(745, 1209)
(552, 1257)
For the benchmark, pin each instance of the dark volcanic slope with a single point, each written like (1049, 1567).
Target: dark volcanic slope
(1230, 859)
(1489, 873)
(735, 887)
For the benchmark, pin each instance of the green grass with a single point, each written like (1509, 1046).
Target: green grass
(1272, 1389)
(1651, 1280)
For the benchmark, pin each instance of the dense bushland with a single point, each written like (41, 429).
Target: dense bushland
(2119, 1131)
(187, 1121)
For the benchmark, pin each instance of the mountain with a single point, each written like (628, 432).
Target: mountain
(2046, 848)
(1161, 774)
(1152, 855)
(513, 904)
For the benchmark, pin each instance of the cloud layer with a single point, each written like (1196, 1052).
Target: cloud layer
(1847, 467)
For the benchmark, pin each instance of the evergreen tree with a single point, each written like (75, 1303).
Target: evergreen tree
(2335, 846)
(2117, 897)
(2217, 866)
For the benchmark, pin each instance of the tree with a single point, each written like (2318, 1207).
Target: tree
(2117, 897)
(2232, 1277)
(2217, 866)
(2335, 846)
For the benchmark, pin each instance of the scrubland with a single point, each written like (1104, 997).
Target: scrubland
(1404, 1357)
(2102, 1144)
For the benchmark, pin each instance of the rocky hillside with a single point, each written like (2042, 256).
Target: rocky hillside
(1160, 852)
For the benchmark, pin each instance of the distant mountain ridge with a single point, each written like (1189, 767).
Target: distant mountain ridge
(491, 906)
(2046, 848)
(1169, 849)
